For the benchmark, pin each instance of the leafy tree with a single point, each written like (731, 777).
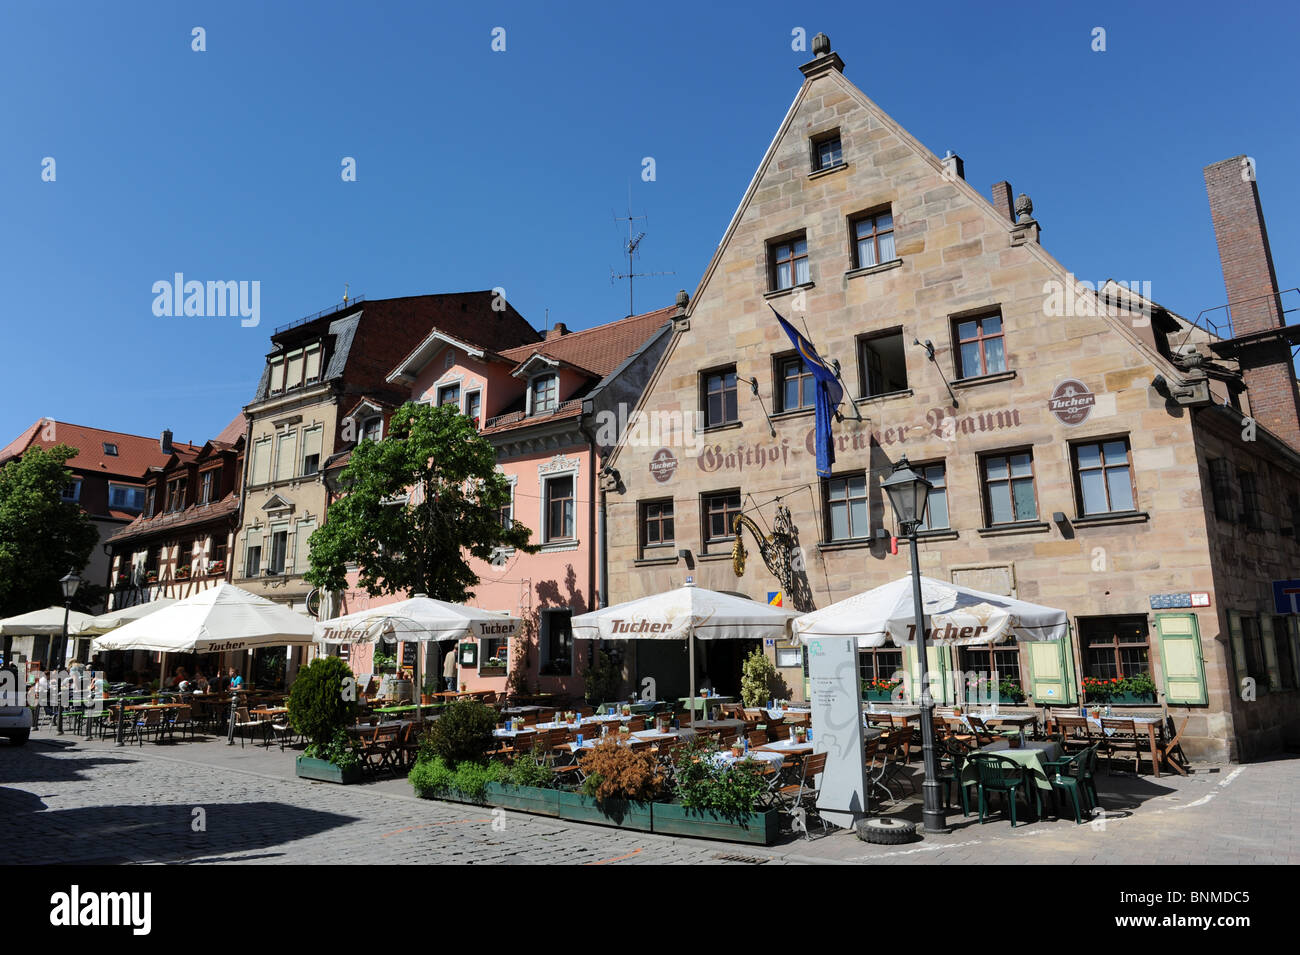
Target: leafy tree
(322, 700)
(413, 504)
(41, 535)
(759, 680)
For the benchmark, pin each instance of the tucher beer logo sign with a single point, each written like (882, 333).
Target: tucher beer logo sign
(1071, 402)
(663, 466)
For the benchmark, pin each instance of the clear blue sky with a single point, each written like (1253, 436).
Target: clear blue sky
(479, 169)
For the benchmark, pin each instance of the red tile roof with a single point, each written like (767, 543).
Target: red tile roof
(597, 350)
(233, 431)
(135, 453)
(194, 514)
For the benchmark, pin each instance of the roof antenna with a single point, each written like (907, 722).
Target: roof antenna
(630, 250)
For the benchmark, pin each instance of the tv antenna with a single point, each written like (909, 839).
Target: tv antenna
(630, 249)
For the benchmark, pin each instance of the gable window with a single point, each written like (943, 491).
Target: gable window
(1250, 514)
(206, 484)
(71, 491)
(110, 449)
(846, 508)
(559, 508)
(1114, 647)
(311, 447)
(720, 397)
(149, 501)
(1103, 477)
(882, 365)
(372, 429)
(277, 375)
(656, 524)
(979, 346)
(449, 395)
(176, 494)
(1009, 496)
(720, 510)
(827, 151)
(474, 407)
(796, 387)
(936, 504)
(789, 258)
(545, 393)
(873, 239)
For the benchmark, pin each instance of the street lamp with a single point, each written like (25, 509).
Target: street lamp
(69, 583)
(909, 493)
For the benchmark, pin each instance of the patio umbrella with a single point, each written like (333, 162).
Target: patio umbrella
(684, 614)
(117, 618)
(419, 619)
(221, 618)
(44, 623)
(957, 615)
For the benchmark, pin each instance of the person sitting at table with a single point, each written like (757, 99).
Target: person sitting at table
(200, 682)
(235, 680)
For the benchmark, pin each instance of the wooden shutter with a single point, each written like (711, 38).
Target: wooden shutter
(1238, 641)
(302, 552)
(1270, 651)
(1180, 657)
(1049, 671)
(286, 465)
(936, 660)
(262, 461)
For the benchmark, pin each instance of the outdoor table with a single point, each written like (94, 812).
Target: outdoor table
(779, 713)
(1021, 721)
(408, 708)
(516, 710)
(682, 733)
(609, 718)
(726, 758)
(1152, 725)
(1033, 756)
(694, 703)
(707, 725)
(269, 711)
(872, 716)
(370, 728)
(156, 706)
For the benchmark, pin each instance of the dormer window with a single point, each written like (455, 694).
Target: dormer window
(449, 395)
(372, 429)
(277, 374)
(110, 449)
(826, 151)
(545, 393)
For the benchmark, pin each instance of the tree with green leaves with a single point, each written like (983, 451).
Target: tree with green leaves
(42, 536)
(413, 505)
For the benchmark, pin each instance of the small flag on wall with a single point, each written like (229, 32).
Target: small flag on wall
(774, 598)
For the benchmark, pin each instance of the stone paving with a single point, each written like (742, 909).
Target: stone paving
(64, 799)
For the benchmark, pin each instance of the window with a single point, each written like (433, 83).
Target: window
(979, 346)
(994, 664)
(720, 397)
(110, 449)
(176, 494)
(1103, 478)
(846, 508)
(286, 461)
(827, 151)
(1250, 515)
(873, 239)
(789, 259)
(795, 384)
(1114, 647)
(277, 375)
(279, 550)
(1009, 496)
(206, 485)
(1282, 651)
(474, 407)
(302, 546)
(879, 665)
(121, 497)
(449, 395)
(559, 508)
(311, 370)
(252, 561)
(72, 491)
(507, 511)
(936, 502)
(372, 429)
(1254, 646)
(261, 466)
(656, 524)
(882, 364)
(556, 643)
(720, 512)
(149, 502)
(1293, 510)
(311, 450)
(1221, 488)
(545, 393)
(293, 365)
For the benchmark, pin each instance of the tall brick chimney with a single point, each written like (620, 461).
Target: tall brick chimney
(1253, 299)
(558, 331)
(1002, 199)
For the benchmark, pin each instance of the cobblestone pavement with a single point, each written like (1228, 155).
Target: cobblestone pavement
(69, 800)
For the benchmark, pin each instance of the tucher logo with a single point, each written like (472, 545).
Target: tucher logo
(77, 908)
(640, 626)
(1072, 402)
(663, 466)
(487, 629)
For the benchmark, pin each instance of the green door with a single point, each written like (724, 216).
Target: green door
(1180, 654)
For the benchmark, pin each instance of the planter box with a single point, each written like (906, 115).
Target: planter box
(878, 696)
(624, 815)
(325, 771)
(1133, 698)
(534, 799)
(1011, 700)
(757, 828)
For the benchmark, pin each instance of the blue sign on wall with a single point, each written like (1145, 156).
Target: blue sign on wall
(1286, 594)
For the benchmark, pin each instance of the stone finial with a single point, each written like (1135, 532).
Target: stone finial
(1024, 208)
(821, 44)
(682, 298)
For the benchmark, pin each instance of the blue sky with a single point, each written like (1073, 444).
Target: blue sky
(478, 169)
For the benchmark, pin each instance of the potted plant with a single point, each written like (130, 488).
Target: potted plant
(217, 567)
(320, 709)
(1009, 691)
(759, 680)
(879, 690)
(183, 572)
(1138, 688)
(151, 577)
(619, 788)
(716, 802)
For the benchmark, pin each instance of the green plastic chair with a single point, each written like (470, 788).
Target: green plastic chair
(1067, 777)
(998, 774)
(1088, 775)
(952, 760)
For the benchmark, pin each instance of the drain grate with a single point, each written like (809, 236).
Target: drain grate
(731, 857)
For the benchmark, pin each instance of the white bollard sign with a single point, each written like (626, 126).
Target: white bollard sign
(837, 729)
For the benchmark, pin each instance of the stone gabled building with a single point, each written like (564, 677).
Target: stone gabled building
(1089, 449)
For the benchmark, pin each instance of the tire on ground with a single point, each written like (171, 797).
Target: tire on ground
(884, 831)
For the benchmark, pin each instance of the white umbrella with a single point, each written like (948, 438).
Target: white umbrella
(419, 619)
(47, 622)
(221, 618)
(682, 614)
(118, 618)
(958, 615)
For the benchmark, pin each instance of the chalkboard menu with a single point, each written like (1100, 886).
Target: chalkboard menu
(406, 654)
(467, 654)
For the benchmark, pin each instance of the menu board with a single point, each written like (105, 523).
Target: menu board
(837, 728)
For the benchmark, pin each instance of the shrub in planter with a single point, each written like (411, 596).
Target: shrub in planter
(322, 700)
(532, 769)
(461, 733)
(1010, 692)
(602, 679)
(759, 681)
(730, 791)
(432, 778)
(616, 772)
(341, 750)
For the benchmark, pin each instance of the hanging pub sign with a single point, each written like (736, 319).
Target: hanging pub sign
(468, 654)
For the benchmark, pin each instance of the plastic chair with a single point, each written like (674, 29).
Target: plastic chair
(998, 774)
(952, 762)
(1067, 776)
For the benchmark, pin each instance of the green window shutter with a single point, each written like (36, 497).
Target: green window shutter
(936, 662)
(1180, 657)
(1293, 631)
(1238, 641)
(1049, 675)
(1270, 651)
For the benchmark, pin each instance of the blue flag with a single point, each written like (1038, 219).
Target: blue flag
(828, 393)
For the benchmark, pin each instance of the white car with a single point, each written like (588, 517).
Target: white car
(16, 723)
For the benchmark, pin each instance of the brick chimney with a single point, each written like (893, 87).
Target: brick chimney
(1253, 299)
(165, 442)
(1002, 199)
(559, 329)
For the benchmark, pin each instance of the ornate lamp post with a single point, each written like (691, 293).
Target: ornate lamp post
(909, 493)
(69, 583)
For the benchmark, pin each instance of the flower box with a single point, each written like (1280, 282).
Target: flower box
(625, 814)
(758, 828)
(323, 770)
(1132, 698)
(878, 696)
(533, 799)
